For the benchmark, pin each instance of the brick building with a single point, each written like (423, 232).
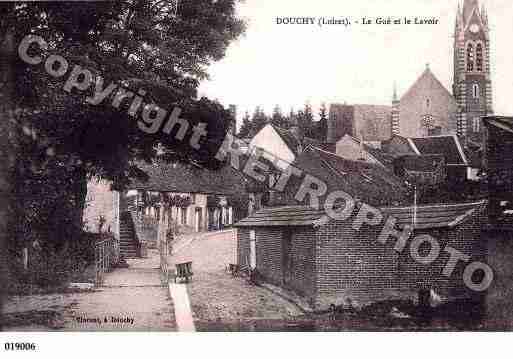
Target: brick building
(334, 264)
(499, 162)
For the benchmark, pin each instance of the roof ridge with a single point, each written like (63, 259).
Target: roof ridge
(440, 205)
(427, 72)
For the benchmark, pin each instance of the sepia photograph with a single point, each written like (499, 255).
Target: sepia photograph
(270, 166)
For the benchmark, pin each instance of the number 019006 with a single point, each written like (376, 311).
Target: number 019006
(20, 346)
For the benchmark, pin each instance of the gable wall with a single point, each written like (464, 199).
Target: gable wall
(413, 106)
(269, 140)
(349, 149)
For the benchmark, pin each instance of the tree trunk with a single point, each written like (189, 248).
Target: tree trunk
(7, 88)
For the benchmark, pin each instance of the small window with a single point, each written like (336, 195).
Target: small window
(476, 124)
(476, 91)
(183, 213)
(428, 103)
(470, 57)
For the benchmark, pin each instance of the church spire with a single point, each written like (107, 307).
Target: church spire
(468, 8)
(394, 98)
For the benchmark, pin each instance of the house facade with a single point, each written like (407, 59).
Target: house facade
(335, 264)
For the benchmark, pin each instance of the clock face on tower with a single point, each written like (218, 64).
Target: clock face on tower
(474, 28)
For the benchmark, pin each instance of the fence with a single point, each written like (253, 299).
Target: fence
(106, 256)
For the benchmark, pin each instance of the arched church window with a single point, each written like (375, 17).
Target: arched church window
(479, 57)
(475, 91)
(470, 57)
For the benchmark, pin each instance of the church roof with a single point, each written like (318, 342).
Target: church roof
(428, 80)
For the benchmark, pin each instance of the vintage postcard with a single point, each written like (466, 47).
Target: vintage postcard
(255, 166)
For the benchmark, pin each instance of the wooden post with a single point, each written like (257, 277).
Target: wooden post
(25, 258)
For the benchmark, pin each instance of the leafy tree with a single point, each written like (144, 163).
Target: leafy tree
(245, 128)
(322, 124)
(258, 121)
(60, 140)
(277, 118)
(306, 120)
(290, 119)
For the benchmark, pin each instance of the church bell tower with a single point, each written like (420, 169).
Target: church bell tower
(472, 86)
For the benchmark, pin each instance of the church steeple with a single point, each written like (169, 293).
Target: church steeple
(472, 81)
(468, 8)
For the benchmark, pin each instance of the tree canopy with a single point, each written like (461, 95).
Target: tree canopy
(147, 46)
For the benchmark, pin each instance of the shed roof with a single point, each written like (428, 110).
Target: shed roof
(282, 216)
(433, 216)
(427, 217)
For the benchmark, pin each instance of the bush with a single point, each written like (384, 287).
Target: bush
(49, 270)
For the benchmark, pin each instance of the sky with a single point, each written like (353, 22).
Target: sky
(359, 64)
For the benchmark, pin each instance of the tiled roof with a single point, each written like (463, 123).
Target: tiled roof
(369, 182)
(187, 178)
(282, 216)
(425, 163)
(383, 157)
(292, 141)
(448, 146)
(433, 216)
(504, 123)
(427, 217)
(397, 146)
(328, 147)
